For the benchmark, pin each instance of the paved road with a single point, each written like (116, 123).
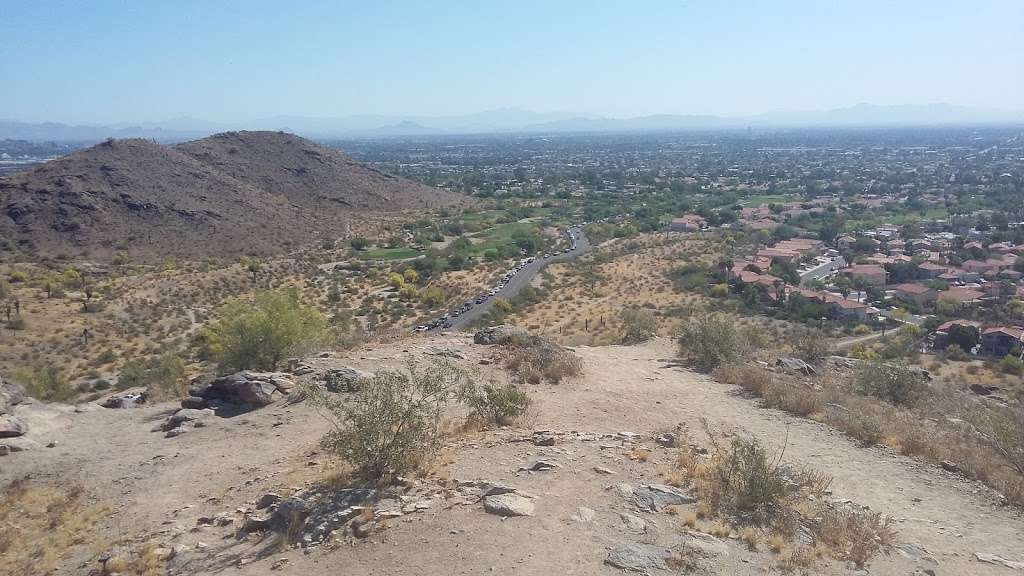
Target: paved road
(518, 281)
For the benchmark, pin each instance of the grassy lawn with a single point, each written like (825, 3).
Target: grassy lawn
(389, 254)
(499, 235)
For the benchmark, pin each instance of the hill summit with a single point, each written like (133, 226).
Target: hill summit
(229, 194)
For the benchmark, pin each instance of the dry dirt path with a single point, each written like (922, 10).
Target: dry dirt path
(159, 487)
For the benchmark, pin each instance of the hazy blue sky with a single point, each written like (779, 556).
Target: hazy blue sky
(105, 61)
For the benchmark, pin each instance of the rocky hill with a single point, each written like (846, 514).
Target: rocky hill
(230, 194)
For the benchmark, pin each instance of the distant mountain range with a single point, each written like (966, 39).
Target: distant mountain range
(513, 120)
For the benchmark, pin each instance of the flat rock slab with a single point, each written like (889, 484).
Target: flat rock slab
(657, 497)
(11, 427)
(508, 505)
(639, 557)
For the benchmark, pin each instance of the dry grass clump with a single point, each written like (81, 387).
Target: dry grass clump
(41, 523)
(536, 359)
(856, 536)
(741, 483)
(895, 406)
(776, 393)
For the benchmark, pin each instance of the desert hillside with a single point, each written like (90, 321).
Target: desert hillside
(227, 195)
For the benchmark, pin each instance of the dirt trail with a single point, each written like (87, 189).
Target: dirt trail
(160, 486)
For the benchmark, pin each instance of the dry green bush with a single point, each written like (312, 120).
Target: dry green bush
(711, 341)
(498, 405)
(391, 425)
(856, 536)
(810, 345)
(163, 376)
(534, 359)
(894, 383)
(638, 325)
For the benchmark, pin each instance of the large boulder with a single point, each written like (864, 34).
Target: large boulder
(11, 427)
(502, 334)
(344, 379)
(11, 394)
(256, 389)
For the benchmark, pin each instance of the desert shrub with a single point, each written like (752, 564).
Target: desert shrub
(17, 323)
(502, 305)
(259, 335)
(163, 376)
(861, 330)
(719, 290)
(433, 297)
(359, 243)
(498, 405)
(41, 523)
(810, 345)
(746, 477)
(856, 536)
(1012, 365)
(1002, 430)
(391, 424)
(638, 325)
(753, 379)
(791, 398)
(954, 352)
(711, 341)
(47, 383)
(534, 359)
(896, 384)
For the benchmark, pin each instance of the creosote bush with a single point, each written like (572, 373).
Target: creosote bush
(163, 376)
(894, 383)
(391, 424)
(534, 359)
(711, 341)
(498, 405)
(638, 325)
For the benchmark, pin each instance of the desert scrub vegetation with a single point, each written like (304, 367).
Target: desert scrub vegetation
(47, 383)
(741, 483)
(392, 424)
(712, 340)
(983, 441)
(41, 523)
(496, 405)
(163, 376)
(638, 325)
(535, 359)
(894, 383)
(260, 334)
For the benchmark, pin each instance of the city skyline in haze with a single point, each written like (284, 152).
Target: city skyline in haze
(233, 62)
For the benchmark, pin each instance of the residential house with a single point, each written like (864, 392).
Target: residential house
(916, 293)
(1001, 340)
(688, 223)
(869, 274)
(940, 338)
(930, 270)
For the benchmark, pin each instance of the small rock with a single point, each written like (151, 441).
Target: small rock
(656, 497)
(639, 557)
(668, 440)
(175, 432)
(949, 466)
(583, 515)
(541, 466)
(605, 471)
(508, 505)
(998, 560)
(268, 499)
(543, 440)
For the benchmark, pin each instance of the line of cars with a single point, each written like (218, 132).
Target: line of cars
(445, 322)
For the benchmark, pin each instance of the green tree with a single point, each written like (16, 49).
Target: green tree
(260, 334)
